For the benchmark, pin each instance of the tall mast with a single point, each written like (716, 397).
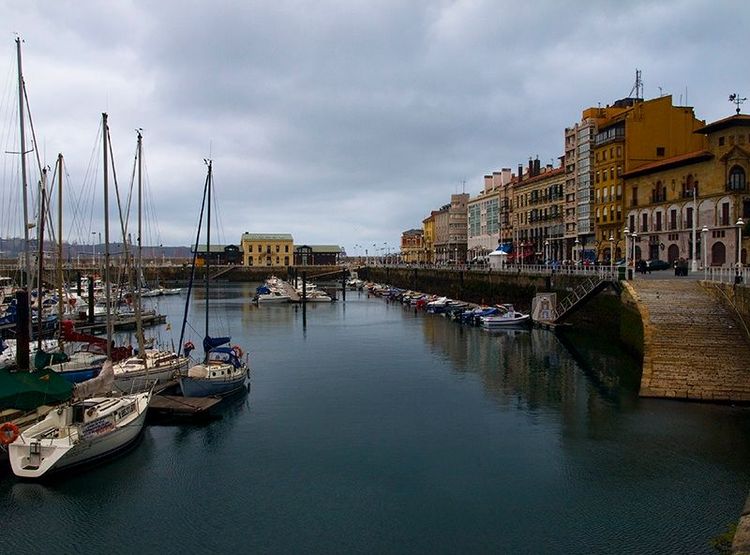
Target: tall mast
(105, 133)
(40, 254)
(139, 255)
(60, 240)
(208, 240)
(24, 184)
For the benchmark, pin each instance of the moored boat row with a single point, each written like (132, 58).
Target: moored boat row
(496, 316)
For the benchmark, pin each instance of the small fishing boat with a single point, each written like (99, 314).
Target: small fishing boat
(506, 316)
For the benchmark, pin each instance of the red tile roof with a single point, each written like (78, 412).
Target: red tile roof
(673, 162)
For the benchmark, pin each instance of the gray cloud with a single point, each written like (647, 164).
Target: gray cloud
(348, 122)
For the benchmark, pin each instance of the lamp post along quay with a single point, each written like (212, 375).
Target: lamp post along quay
(704, 249)
(693, 259)
(740, 224)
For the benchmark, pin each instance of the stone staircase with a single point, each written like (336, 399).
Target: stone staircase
(694, 347)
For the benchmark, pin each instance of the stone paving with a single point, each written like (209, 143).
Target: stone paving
(694, 347)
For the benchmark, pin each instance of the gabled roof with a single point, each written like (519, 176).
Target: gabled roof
(267, 237)
(737, 120)
(673, 162)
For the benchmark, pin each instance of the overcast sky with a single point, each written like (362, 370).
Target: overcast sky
(341, 122)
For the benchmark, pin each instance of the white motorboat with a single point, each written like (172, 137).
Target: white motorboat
(318, 296)
(507, 316)
(273, 297)
(80, 432)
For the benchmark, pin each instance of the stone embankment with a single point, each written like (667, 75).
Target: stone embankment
(694, 347)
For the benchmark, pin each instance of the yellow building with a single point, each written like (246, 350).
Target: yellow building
(693, 198)
(428, 239)
(631, 134)
(267, 249)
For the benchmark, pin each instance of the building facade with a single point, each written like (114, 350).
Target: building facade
(451, 231)
(538, 211)
(428, 238)
(412, 246)
(692, 206)
(317, 255)
(267, 249)
(633, 133)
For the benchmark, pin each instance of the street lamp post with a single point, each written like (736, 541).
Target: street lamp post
(693, 259)
(634, 237)
(577, 252)
(93, 248)
(740, 224)
(704, 245)
(546, 252)
(611, 253)
(626, 232)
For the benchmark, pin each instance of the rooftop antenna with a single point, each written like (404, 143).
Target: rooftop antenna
(660, 92)
(463, 186)
(736, 100)
(637, 86)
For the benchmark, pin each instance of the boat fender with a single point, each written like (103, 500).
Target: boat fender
(8, 433)
(237, 350)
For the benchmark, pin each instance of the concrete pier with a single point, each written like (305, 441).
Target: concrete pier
(694, 347)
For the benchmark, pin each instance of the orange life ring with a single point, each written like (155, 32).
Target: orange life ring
(237, 351)
(8, 433)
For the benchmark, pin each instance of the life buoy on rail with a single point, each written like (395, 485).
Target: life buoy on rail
(237, 350)
(8, 433)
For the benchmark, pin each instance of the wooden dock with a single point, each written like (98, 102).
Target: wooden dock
(177, 405)
(166, 403)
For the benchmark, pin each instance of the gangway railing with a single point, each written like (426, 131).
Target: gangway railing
(582, 291)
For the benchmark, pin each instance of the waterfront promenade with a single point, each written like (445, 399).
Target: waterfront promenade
(694, 346)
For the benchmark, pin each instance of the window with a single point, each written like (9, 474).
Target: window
(660, 150)
(286, 248)
(634, 202)
(658, 221)
(724, 213)
(673, 219)
(644, 222)
(689, 218)
(278, 247)
(721, 141)
(737, 179)
(632, 223)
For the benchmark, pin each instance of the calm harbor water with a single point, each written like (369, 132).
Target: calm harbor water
(374, 429)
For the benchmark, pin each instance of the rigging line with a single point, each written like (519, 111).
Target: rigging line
(192, 270)
(31, 126)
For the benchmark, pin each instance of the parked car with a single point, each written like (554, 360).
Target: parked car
(656, 264)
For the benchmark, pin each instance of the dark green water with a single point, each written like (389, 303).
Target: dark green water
(375, 430)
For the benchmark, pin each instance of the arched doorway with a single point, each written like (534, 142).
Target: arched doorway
(673, 253)
(718, 254)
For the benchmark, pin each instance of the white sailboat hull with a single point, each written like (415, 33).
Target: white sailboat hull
(53, 445)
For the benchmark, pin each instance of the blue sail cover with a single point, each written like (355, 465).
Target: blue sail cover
(213, 342)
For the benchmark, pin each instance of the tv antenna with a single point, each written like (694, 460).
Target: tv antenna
(735, 99)
(637, 86)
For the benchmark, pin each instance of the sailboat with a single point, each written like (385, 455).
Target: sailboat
(149, 365)
(96, 424)
(223, 370)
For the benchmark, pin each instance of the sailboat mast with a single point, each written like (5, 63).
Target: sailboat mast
(208, 239)
(40, 254)
(139, 254)
(60, 241)
(107, 294)
(24, 184)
